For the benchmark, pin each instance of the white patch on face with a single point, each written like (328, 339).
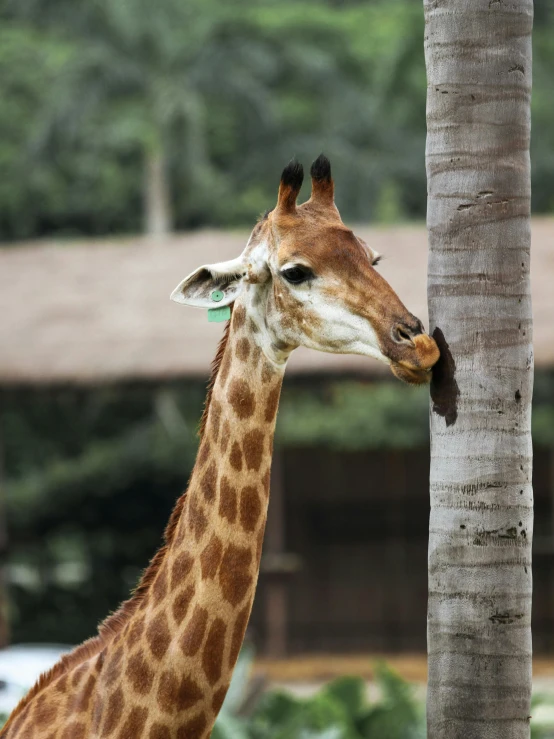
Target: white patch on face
(257, 287)
(256, 260)
(341, 331)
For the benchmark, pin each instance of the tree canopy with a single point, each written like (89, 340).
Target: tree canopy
(226, 94)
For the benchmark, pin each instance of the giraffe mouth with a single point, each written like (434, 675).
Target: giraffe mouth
(410, 375)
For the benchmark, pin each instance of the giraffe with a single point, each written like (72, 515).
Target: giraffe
(160, 666)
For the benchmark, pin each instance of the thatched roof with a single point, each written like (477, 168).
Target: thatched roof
(100, 311)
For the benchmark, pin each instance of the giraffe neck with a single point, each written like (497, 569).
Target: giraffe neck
(164, 670)
(196, 616)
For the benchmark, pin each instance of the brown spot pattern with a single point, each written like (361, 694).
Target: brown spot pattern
(133, 727)
(96, 714)
(241, 399)
(81, 699)
(114, 712)
(139, 674)
(225, 367)
(224, 441)
(235, 458)
(211, 557)
(159, 731)
(234, 577)
(227, 500)
(113, 667)
(219, 697)
(74, 730)
(266, 479)
(272, 404)
(160, 585)
(239, 317)
(250, 508)
(208, 483)
(61, 684)
(197, 519)
(79, 674)
(158, 636)
(193, 729)
(45, 712)
(177, 694)
(204, 452)
(267, 372)
(87, 692)
(135, 632)
(215, 417)
(191, 640)
(253, 447)
(238, 634)
(243, 349)
(181, 603)
(212, 657)
(181, 567)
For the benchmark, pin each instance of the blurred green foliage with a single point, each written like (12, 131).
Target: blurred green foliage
(340, 710)
(353, 415)
(225, 94)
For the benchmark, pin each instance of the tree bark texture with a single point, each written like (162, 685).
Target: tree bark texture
(478, 57)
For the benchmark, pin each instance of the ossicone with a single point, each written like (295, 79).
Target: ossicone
(321, 169)
(291, 182)
(323, 189)
(293, 175)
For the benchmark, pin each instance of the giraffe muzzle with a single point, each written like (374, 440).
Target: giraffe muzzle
(416, 368)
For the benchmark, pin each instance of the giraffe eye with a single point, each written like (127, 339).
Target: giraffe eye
(296, 275)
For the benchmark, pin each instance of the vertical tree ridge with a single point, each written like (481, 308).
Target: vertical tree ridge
(478, 58)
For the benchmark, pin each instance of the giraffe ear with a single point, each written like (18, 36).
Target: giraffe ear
(212, 285)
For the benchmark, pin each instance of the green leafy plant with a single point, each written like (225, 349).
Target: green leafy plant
(340, 710)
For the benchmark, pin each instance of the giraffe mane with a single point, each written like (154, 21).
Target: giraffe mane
(216, 364)
(116, 621)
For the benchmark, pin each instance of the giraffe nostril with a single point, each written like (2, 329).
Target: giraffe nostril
(402, 334)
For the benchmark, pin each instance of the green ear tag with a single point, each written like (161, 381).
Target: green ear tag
(223, 313)
(216, 315)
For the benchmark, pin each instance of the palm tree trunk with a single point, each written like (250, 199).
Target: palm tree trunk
(156, 194)
(478, 56)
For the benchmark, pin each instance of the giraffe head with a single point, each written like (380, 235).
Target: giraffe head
(305, 279)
